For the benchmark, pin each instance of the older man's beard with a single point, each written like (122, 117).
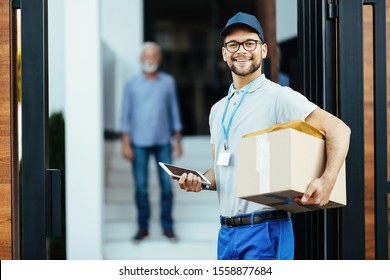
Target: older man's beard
(254, 67)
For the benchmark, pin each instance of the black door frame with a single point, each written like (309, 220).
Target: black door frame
(351, 86)
(316, 233)
(382, 184)
(351, 89)
(41, 187)
(34, 240)
(340, 233)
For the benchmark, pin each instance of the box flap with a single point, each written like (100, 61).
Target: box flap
(299, 125)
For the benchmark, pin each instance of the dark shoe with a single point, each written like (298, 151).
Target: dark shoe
(170, 235)
(141, 234)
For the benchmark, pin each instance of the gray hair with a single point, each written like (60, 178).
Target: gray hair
(150, 44)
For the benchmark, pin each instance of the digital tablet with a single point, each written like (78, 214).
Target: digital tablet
(177, 171)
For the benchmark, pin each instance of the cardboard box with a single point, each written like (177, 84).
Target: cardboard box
(276, 165)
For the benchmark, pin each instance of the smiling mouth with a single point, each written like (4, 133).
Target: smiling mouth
(243, 60)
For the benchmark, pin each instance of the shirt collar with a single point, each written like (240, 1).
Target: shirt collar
(146, 78)
(257, 83)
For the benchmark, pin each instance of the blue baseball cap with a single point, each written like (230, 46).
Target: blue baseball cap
(246, 19)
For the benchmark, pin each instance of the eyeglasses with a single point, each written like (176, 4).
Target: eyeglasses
(249, 45)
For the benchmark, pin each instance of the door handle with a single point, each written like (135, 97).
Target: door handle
(53, 203)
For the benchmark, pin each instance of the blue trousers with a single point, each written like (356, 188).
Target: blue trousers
(140, 172)
(269, 240)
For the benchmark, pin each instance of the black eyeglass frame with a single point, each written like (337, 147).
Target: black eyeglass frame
(225, 45)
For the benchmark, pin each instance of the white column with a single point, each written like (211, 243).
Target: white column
(84, 130)
(121, 39)
(56, 55)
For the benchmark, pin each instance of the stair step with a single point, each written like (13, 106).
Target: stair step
(182, 211)
(125, 194)
(160, 250)
(185, 231)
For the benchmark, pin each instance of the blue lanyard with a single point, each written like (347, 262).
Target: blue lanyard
(225, 131)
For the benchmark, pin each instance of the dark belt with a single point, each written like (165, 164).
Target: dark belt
(257, 218)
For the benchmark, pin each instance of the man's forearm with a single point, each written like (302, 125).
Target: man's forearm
(337, 144)
(125, 139)
(337, 137)
(178, 136)
(210, 175)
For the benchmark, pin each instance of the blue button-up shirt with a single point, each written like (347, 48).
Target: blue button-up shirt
(150, 113)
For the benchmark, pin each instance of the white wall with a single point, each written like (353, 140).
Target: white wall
(56, 56)
(121, 38)
(94, 46)
(121, 24)
(286, 19)
(84, 130)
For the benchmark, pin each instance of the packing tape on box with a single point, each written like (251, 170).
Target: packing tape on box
(263, 162)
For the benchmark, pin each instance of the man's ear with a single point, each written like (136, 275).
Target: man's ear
(224, 54)
(264, 50)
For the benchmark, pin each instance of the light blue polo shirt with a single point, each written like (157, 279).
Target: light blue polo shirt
(265, 104)
(150, 113)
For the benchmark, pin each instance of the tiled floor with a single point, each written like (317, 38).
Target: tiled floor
(196, 214)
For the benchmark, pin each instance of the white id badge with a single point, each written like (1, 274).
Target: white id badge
(224, 158)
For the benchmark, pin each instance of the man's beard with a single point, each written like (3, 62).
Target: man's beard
(245, 72)
(149, 67)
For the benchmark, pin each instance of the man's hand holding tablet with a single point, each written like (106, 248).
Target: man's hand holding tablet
(177, 171)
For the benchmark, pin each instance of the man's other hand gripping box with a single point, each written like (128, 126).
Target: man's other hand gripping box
(277, 164)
